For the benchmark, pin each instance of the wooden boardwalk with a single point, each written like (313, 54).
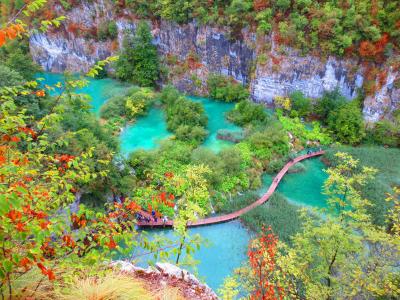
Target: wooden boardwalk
(238, 213)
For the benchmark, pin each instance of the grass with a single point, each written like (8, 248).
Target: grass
(277, 212)
(387, 162)
(112, 286)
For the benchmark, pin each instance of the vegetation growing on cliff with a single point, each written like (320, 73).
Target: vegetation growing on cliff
(366, 28)
(138, 62)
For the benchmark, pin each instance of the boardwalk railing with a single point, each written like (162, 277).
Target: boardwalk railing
(238, 213)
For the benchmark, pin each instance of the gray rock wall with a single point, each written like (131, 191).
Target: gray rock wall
(282, 71)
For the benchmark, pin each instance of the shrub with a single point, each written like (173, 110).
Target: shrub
(185, 118)
(387, 133)
(135, 102)
(246, 112)
(226, 89)
(331, 101)
(138, 61)
(300, 103)
(300, 131)
(347, 123)
(272, 142)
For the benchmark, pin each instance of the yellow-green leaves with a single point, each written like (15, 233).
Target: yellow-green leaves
(94, 71)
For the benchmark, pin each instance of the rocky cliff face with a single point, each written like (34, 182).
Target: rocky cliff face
(191, 52)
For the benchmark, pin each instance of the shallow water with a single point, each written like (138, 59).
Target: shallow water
(228, 240)
(145, 133)
(100, 90)
(226, 250)
(305, 188)
(216, 120)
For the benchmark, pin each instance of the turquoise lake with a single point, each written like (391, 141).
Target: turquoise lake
(229, 240)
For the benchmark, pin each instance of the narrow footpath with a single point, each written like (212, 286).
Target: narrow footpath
(238, 213)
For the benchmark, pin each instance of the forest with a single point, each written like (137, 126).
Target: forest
(71, 200)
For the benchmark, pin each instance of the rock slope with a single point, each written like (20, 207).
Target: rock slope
(192, 51)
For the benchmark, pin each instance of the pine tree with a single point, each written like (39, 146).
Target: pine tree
(138, 62)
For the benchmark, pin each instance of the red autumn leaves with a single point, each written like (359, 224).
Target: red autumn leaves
(16, 217)
(10, 33)
(374, 50)
(261, 254)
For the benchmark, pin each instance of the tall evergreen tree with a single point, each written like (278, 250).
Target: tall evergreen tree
(138, 62)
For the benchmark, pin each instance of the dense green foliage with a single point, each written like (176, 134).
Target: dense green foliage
(246, 112)
(226, 89)
(347, 123)
(330, 102)
(138, 62)
(301, 105)
(334, 26)
(304, 134)
(387, 132)
(16, 56)
(387, 162)
(132, 103)
(185, 118)
(270, 143)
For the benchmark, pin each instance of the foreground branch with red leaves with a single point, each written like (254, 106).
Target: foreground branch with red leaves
(261, 253)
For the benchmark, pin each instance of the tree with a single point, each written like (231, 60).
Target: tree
(193, 196)
(347, 123)
(138, 62)
(247, 112)
(39, 231)
(262, 252)
(340, 253)
(300, 103)
(330, 101)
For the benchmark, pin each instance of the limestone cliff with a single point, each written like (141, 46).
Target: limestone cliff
(193, 51)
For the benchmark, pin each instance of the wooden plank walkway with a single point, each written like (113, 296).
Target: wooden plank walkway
(238, 213)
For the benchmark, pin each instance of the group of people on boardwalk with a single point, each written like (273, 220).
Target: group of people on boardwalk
(154, 216)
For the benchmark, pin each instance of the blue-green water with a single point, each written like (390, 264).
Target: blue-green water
(100, 90)
(145, 133)
(226, 250)
(229, 240)
(305, 188)
(216, 120)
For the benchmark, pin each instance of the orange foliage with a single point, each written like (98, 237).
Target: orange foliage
(374, 50)
(73, 28)
(260, 5)
(10, 33)
(382, 76)
(276, 60)
(114, 45)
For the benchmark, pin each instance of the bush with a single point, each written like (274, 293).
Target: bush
(135, 102)
(138, 61)
(387, 132)
(297, 128)
(226, 89)
(185, 118)
(301, 104)
(272, 142)
(347, 123)
(330, 101)
(246, 112)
